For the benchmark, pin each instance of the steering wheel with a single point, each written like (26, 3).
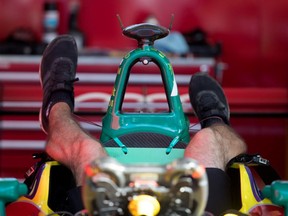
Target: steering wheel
(178, 188)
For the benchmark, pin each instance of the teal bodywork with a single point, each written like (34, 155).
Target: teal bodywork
(10, 190)
(173, 123)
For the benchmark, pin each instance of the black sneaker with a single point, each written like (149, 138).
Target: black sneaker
(208, 100)
(57, 75)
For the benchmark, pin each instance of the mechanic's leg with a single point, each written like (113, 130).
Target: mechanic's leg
(68, 143)
(215, 146)
(216, 143)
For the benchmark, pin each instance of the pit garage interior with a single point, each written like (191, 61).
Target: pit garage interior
(242, 43)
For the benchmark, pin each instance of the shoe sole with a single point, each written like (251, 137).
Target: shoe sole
(202, 79)
(45, 53)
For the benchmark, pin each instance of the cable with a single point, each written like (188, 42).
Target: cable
(87, 121)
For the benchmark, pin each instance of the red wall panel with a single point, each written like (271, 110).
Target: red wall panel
(254, 34)
(16, 14)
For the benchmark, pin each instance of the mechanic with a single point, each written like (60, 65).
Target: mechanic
(213, 146)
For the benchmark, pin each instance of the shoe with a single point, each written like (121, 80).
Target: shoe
(208, 100)
(57, 75)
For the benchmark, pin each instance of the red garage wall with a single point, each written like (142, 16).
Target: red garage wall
(254, 34)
